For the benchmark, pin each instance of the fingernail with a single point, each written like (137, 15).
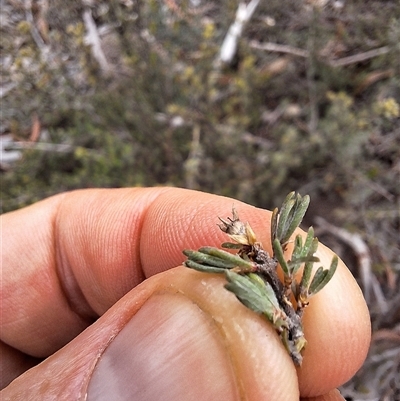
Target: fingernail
(170, 350)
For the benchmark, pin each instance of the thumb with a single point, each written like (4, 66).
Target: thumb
(177, 336)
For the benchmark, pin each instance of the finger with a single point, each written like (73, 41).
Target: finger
(337, 327)
(57, 251)
(108, 240)
(13, 363)
(333, 395)
(179, 336)
(337, 323)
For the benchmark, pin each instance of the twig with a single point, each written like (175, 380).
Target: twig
(229, 45)
(277, 48)
(92, 38)
(357, 58)
(386, 334)
(192, 163)
(45, 53)
(7, 154)
(155, 45)
(34, 32)
(247, 137)
(360, 249)
(379, 296)
(312, 89)
(46, 147)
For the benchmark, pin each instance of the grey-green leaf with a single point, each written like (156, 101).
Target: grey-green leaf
(219, 253)
(209, 260)
(202, 268)
(278, 254)
(258, 297)
(305, 280)
(298, 247)
(299, 211)
(274, 223)
(231, 245)
(284, 221)
(319, 283)
(295, 264)
(309, 241)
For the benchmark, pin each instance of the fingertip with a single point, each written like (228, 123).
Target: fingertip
(333, 395)
(338, 330)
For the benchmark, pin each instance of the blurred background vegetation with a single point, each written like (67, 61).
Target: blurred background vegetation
(132, 93)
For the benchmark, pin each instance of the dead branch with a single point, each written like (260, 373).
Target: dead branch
(357, 58)
(360, 249)
(43, 146)
(92, 38)
(34, 32)
(45, 53)
(341, 62)
(229, 45)
(7, 154)
(277, 48)
(386, 334)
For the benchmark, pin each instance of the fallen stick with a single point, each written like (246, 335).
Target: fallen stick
(360, 249)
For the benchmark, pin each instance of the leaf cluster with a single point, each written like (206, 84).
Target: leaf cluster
(252, 272)
(253, 118)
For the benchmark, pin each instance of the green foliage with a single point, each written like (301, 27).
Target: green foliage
(161, 113)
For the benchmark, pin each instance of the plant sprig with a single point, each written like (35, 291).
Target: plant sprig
(252, 272)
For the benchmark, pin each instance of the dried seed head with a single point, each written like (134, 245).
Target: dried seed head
(232, 226)
(238, 231)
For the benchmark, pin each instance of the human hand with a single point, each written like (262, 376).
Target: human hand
(179, 335)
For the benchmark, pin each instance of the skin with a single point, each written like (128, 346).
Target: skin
(90, 260)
